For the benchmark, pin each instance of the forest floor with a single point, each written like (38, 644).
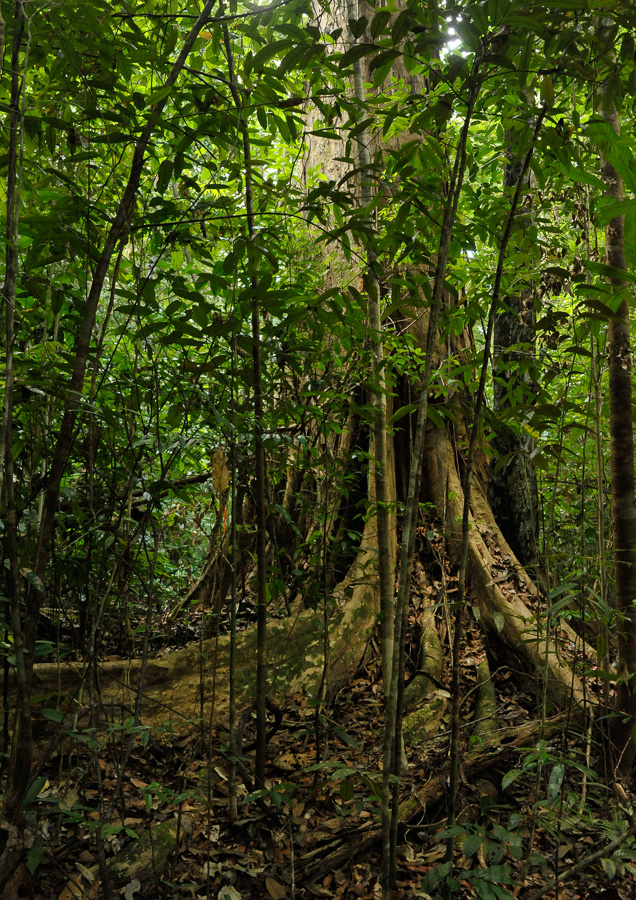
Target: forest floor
(526, 814)
(530, 816)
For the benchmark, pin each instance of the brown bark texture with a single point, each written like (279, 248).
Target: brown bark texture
(513, 487)
(619, 356)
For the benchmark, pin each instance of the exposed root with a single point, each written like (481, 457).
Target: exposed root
(505, 606)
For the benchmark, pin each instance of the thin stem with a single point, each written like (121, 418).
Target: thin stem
(470, 462)
(259, 447)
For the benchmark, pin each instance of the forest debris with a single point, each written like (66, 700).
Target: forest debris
(318, 862)
(145, 859)
(275, 889)
(131, 889)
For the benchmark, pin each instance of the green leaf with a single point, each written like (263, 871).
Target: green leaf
(346, 737)
(556, 780)
(547, 92)
(158, 95)
(54, 715)
(270, 50)
(434, 876)
(33, 579)
(484, 890)
(358, 26)
(610, 867)
(607, 211)
(358, 51)
(501, 893)
(403, 411)
(33, 790)
(499, 620)
(609, 271)
(384, 57)
(404, 23)
(509, 777)
(471, 844)
(469, 35)
(35, 855)
(346, 790)
(380, 21)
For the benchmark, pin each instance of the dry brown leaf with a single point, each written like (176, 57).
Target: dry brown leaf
(74, 890)
(138, 782)
(87, 873)
(275, 889)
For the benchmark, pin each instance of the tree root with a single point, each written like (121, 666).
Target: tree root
(342, 848)
(504, 602)
(176, 682)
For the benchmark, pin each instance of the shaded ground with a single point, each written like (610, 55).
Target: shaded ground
(519, 823)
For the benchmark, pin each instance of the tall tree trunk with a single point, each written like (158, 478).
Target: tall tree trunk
(513, 485)
(383, 492)
(619, 357)
(22, 747)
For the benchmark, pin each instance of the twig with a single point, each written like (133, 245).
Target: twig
(584, 863)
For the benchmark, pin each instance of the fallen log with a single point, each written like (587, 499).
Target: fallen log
(346, 846)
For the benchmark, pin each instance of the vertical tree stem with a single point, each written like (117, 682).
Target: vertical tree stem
(619, 357)
(22, 747)
(394, 714)
(259, 447)
(470, 462)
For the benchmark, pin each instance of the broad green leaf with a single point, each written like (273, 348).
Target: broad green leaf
(379, 22)
(509, 777)
(54, 715)
(547, 92)
(346, 790)
(610, 867)
(33, 790)
(556, 780)
(484, 890)
(471, 844)
(269, 51)
(35, 854)
(358, 26)
(358, 51)
(613, 209)
(403, 411)
(609, 271)
(159, 95)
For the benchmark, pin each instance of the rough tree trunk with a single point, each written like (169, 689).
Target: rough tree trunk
(513, 485)
(622, 469)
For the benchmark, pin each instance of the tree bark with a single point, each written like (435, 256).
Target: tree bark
(22, 746)
(513, 486)
(619, 356)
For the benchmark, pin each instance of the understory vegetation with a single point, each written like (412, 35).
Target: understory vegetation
(317, 486)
